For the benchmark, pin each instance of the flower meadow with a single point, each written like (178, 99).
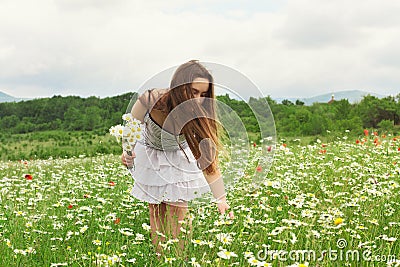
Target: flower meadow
(322, 204)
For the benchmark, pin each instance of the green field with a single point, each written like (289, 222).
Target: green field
(56, 144)
(332, 203)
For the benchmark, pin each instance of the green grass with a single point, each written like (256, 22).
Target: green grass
(70, 213)
(56, 144)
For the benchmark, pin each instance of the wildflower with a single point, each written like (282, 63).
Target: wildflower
(126, 231)
(117, 131)
(28, 177)
(127, 117)
(83, 229)
(224, 254)
(224, 238)
(20, 213)
(299, 265)
(338, 221)
(197, 242)
(293, 240)
(146, 227)
(96, 242)
(366, 132)
(259, 168)
(248, 254)
(8, 242)
(111, 183)
(113, 259)
(139, 237)
(253, 261)
(70, 206)
(59, 264)
(20, 251)
(169, 260)
(193, 262)
(117, 220)
(388, 239)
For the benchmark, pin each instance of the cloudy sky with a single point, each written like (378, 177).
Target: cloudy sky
(288, 48)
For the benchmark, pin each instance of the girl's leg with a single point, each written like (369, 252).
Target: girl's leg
(176, 213)
(157, 223)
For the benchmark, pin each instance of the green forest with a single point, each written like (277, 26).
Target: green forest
(72, 126)
(73, 113)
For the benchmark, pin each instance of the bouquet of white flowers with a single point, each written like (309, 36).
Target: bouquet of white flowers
(129, 133)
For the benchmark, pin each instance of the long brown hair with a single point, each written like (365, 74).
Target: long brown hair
(198, 120)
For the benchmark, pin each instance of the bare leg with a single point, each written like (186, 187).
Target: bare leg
(176, 213)
(157, 222)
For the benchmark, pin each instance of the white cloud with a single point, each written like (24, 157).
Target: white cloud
(104, 48)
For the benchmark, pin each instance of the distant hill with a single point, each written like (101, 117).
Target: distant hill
(353, 96)
(7, 98)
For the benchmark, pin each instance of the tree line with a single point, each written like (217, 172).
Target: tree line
(73, 113)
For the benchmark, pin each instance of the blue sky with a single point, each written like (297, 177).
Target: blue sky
(293, 48)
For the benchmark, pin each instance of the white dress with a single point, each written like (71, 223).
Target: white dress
(162, 172)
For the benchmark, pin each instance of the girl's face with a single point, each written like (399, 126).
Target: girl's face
(200, 88)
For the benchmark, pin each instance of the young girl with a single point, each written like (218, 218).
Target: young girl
(177, 160)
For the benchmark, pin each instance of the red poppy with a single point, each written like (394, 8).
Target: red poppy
(398, 149)
(254, 144)
(376, 133)
(111, 183)
(395, 139)
(323, 145)
(269, 149)
(259, 168)
(366, 132)
(28, 177)
(70, 206)
(357, 141)
(284, 145)
(117, 221)
(322, 151)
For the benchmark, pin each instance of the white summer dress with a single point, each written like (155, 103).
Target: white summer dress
(162, 172)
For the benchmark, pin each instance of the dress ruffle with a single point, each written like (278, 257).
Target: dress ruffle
(177, 192)
(166, 175)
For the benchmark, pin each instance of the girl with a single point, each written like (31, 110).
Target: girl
(177, 159)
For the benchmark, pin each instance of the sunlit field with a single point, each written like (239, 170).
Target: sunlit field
(324, 204)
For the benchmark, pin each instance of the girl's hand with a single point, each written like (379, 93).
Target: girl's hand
(128, 160)
(223, 207)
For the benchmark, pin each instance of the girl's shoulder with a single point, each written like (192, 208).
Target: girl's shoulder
(151, 96)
